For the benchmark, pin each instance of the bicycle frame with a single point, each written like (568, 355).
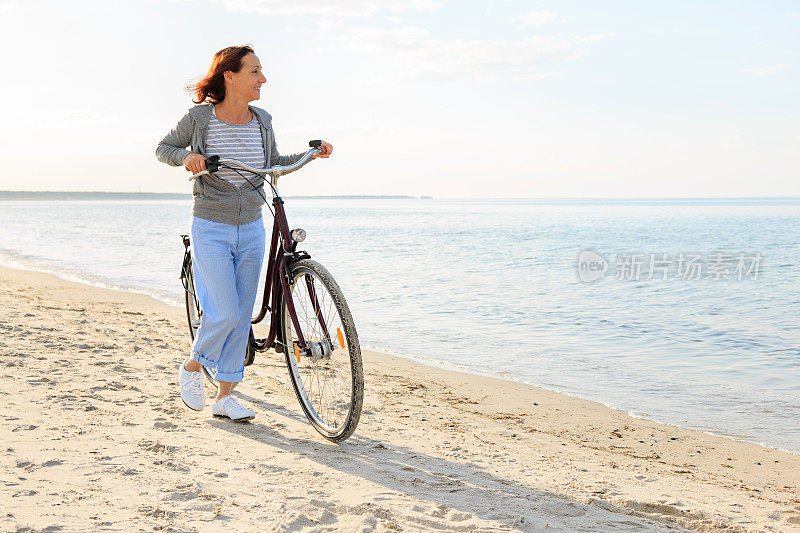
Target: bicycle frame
(282, 253)
(278, 272)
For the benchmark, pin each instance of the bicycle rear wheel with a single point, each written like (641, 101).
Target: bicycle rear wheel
(194, 314)
(328, 378)
(193, 311)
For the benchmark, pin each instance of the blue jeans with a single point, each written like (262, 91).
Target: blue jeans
(227, 262)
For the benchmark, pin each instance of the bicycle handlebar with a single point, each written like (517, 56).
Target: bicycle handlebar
(275, 172)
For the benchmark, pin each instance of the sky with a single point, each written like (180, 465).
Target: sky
(537, 99)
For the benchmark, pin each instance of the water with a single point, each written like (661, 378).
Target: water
(493, 286)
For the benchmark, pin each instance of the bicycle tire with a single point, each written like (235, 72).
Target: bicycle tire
(194, 314)
(193, 311)
(343, 365)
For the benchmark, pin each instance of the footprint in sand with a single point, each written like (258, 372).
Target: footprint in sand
(163, 423)
(459, 517)
(41, 380)
(26, 465)
(171, 465)
(157, 447)
(440, 511)
(182, 495)
(155, 512)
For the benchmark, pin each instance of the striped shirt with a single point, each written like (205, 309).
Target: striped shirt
(235, 141)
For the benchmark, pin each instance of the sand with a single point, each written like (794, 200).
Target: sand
(94, 437)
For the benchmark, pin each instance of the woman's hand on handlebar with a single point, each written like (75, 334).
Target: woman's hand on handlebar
(327, 148)
(194, 163)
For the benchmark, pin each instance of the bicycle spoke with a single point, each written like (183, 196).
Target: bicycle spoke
(325, 379)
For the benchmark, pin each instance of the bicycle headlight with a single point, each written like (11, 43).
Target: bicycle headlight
(298, 235)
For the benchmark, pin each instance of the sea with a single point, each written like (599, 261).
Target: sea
(684, 311)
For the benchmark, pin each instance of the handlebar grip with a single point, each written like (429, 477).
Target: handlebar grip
(212, 163)
(315, 144)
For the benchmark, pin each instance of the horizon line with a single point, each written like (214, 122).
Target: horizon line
(189, 195)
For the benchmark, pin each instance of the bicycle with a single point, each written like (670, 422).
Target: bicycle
(310, 321)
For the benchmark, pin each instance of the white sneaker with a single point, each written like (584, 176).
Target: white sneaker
(230, 407)
(191, 388)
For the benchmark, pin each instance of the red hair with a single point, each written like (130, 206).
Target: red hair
(211, 88)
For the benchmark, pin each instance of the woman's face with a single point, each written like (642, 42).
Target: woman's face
(247, 82)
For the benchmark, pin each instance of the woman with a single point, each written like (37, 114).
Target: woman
(227, 232)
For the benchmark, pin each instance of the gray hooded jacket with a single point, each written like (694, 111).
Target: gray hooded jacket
(215, 198)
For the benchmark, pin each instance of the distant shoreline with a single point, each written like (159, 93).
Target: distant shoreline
(104, 195)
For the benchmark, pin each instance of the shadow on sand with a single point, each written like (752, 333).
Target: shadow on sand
(456, 485)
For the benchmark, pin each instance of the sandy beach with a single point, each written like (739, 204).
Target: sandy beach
(96, 438)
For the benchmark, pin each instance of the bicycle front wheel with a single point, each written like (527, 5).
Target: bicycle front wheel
(328, 376)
